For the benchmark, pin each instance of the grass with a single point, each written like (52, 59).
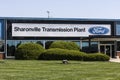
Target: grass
(55, 70)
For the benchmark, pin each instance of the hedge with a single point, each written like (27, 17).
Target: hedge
(60, 54)
(96, 57)
(65, 45)
(28, 51)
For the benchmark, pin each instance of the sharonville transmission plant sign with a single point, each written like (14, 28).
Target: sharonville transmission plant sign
(59, 30)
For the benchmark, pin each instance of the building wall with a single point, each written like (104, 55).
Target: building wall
(11, 43)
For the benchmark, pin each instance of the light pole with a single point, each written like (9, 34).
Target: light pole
(48, 12)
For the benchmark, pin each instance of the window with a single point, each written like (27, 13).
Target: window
(93, 47)
(10, 48)
(1, 46)
(85, 46)
(117, 29)
(118, 46)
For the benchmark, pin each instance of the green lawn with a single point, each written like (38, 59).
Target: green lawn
(55, 70)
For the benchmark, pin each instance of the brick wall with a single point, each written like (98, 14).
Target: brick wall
(1, 56)
(118, 53)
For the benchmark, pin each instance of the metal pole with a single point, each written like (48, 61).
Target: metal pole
(48, 12)
(89, 44)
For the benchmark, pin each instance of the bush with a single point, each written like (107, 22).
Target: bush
(65, 45)
(60, 54)
(96, 57)
(28, 51)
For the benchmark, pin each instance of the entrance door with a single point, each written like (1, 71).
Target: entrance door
(107, 49)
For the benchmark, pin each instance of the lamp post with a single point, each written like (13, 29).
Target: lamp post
(48, 12)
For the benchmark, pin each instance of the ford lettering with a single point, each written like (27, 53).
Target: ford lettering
(98, 30)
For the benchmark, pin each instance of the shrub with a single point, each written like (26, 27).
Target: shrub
(28, 51)
(60, 54)
(96, 57)
(65, 45)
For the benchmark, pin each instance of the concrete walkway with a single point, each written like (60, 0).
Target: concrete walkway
(115, 60)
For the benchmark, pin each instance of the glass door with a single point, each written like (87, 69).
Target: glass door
(107, 49)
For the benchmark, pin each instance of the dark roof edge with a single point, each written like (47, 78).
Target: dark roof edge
(63, 19)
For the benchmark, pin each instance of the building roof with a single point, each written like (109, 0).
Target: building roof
(60, 19)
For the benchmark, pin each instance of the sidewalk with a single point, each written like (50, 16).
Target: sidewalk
(115, 60)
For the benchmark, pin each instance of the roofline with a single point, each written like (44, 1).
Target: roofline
(61, 19)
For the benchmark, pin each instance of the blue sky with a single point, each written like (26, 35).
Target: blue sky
(61, 8)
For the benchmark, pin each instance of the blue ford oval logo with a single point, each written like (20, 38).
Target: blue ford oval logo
(98, 30)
